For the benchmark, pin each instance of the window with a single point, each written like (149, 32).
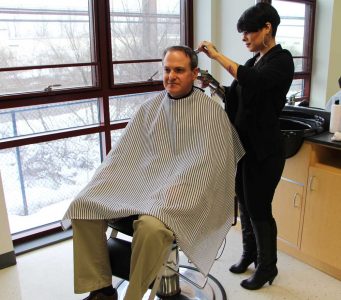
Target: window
(45, 45)
(140, 31)
(72, 73)
(40, 179)
(295, 33)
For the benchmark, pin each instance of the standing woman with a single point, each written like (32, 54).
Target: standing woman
(254, 102)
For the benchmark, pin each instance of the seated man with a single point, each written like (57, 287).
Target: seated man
(174, 166)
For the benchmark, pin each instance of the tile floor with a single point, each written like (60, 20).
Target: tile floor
(47, 274)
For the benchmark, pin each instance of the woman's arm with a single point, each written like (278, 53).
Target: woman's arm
(211, 51)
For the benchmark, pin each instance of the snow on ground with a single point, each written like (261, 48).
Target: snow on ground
(46, 215)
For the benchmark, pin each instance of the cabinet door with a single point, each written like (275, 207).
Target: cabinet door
(287, 210)
(297, 167)
(321, 237)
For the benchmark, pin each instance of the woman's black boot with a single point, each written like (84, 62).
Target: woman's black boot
(266, 271)
(242, 265)
(249, 255)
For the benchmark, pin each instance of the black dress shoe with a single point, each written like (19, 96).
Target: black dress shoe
(101, 296)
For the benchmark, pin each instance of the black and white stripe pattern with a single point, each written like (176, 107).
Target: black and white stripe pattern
(176, 161)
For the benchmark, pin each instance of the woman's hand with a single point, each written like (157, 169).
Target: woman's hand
(209, 49)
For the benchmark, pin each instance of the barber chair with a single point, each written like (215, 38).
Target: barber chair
(173, 282)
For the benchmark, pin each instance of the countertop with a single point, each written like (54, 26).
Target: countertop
(324, 138)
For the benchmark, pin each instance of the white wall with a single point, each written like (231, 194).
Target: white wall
(326, 52)
(216, 20)
(202, 28)
(335, 51)
(6, 245)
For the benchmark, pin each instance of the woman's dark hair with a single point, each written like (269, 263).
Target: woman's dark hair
(340, 82)
(255, 18)
(188, 52)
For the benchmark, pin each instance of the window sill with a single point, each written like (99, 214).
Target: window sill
(41, 242)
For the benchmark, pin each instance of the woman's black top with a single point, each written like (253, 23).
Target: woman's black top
(255, 100)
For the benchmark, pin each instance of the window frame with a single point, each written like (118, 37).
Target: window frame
(105, 89)
(305, 75)
(186, 34)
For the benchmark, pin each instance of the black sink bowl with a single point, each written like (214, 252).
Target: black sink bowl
(288, 124)
(293, 133)
(297, 123)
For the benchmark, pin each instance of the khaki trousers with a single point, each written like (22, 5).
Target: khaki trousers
(151, 242)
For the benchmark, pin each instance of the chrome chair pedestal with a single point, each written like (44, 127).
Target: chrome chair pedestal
(170, 283)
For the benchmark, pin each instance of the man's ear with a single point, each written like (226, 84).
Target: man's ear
(195, 73)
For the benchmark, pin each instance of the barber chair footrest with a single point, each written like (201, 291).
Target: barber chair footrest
(213, 290)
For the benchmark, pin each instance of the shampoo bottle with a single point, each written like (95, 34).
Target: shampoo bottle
(335, 117)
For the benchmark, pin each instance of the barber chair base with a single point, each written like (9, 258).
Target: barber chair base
(213, 290)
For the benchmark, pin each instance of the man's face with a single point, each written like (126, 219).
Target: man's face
(178, 77)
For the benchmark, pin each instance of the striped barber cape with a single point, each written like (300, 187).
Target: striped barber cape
(176, 161)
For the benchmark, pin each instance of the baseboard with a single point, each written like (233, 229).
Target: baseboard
(7, 259)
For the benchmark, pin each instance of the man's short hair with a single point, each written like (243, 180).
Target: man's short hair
(188, 52)
(340, 82)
